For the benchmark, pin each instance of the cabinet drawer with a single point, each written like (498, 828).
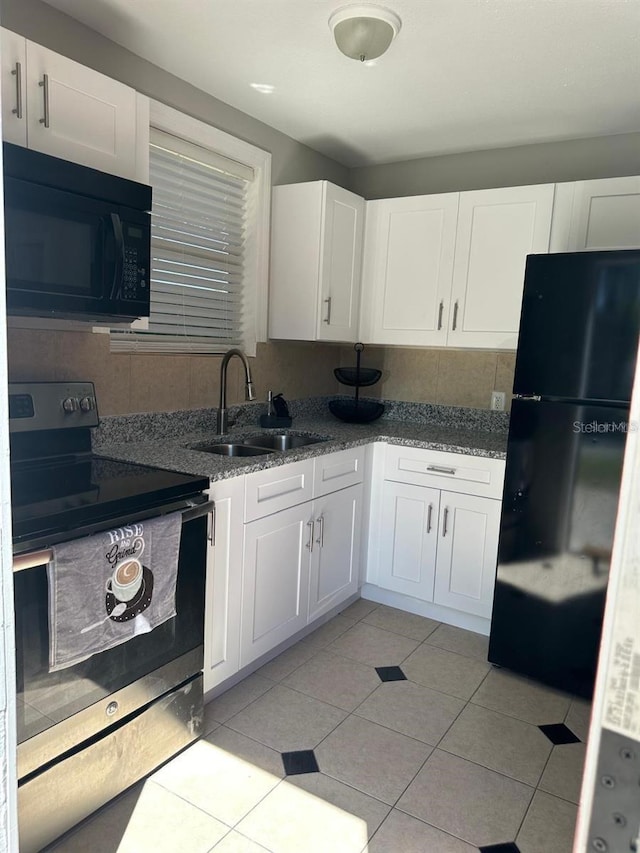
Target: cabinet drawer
(456, 472)
(278, 488)
(338, 470)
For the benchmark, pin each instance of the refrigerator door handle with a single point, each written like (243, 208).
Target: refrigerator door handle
(444, 521)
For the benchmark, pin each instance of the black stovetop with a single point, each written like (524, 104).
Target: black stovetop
(59, 488)
(51, 499)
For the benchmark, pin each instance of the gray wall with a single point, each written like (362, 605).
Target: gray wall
(291, 161)
(550, 162)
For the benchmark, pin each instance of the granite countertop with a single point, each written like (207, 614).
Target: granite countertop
(165, 442)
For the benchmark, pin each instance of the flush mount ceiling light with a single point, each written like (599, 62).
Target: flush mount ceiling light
(365, 31)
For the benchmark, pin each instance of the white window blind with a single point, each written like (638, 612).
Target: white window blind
(200, 298)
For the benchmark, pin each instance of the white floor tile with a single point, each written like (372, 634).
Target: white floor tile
(291, 820)
(148, 818)
(217, 782)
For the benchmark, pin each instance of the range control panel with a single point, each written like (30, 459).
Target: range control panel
(51, 405)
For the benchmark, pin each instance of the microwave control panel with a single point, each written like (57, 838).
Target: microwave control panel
(134, 283)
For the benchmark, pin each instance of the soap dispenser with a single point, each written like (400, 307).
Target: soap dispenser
(277, 412)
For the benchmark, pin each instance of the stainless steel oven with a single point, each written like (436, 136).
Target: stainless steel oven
(91, 730)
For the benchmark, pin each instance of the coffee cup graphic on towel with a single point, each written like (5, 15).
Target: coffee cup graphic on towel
(126, 579)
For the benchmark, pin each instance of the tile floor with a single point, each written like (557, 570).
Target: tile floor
(419, 745)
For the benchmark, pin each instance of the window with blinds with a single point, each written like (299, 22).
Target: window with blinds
(202, 299)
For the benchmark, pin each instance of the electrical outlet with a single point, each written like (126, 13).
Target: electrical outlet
(497, 401)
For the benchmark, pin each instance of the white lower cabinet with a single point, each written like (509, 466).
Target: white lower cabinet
(467, 553)
(298, 564)
(439, 546)
(433, 541)
(409, 539)
(285, 550)
(223, 591)
(286, 545)
(335, 559)
(275, 579)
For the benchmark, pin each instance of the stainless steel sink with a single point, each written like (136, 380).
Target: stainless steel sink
(231, 449)
(280, 441)
(257, 444)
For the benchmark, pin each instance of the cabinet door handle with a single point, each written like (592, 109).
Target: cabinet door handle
(45, 86)
(455, 316)
(311, 526)
(327, 319)
(320, 539)
(438, 469)
(444, 521)
(440, 310)
(429, 515)
(17, 73)
(211, 525)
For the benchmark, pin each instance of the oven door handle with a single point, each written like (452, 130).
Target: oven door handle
(39, 558)
(198, 511)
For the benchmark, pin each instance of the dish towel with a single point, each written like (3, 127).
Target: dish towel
(107, 588)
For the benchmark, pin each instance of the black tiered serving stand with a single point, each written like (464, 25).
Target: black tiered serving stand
(356, 411)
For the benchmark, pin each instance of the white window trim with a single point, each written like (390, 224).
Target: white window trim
(205, 135)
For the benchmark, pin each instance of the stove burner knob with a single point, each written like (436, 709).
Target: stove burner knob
(87, 404)
(70, 405)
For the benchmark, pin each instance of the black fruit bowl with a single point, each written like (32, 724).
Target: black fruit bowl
(353, 376)
(362, 412)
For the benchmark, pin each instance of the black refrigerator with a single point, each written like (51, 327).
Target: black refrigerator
(569, 422)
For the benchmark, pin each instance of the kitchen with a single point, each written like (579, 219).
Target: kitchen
(132, 383)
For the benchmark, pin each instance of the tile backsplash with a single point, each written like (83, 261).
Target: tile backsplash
(448, 377)
(129, 383)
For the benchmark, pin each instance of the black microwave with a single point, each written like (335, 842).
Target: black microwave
(77, 241)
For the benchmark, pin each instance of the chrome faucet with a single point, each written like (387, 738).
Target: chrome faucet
(222, 420)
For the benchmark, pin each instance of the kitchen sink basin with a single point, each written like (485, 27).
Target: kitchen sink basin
(231, 449)
(280, 441)
(257, 444)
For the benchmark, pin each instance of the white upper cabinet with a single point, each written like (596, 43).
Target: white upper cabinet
(408, 266)
(14, 77)
(599, 214)
(316, 255)
(497, 229)
(80, 115)
(72, 112)
(448, 270)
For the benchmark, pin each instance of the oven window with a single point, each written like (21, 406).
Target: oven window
(45, 698)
